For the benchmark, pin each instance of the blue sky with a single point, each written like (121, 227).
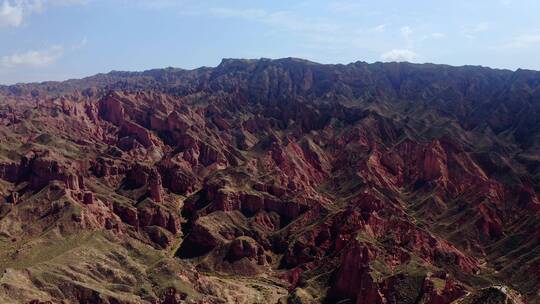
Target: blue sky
(62, 39)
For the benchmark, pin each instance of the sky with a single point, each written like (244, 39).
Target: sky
(62, 39)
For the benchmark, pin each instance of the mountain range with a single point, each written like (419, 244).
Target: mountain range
(273, 181)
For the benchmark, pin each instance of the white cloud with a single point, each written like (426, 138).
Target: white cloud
(327, 36)
(345, 6)
(250, 14)
(380, 28)
(407, 32)
(67, 2)
(39, 58)
(32, 58)
(156, 4)
(11, 15)
(284, 20)
(524, 41)
(399, 55)
(435, 36)
(13, 12)
(480, 27)
(80, 45)
(471, 32)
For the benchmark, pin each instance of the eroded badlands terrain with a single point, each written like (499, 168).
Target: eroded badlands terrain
(266, 181)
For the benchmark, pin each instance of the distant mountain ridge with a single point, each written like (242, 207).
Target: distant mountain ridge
(109, 79)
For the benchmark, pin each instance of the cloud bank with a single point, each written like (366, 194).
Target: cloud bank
(399, 55)
(32, 58)
(11, 15)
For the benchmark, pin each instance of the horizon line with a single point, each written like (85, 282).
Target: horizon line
(268, 59)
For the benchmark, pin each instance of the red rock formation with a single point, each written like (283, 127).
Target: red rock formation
(155, 186)
(244, 248)
(349, 182)
(88, 198)
(111, 109)
(14, 198)
(353, 279)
